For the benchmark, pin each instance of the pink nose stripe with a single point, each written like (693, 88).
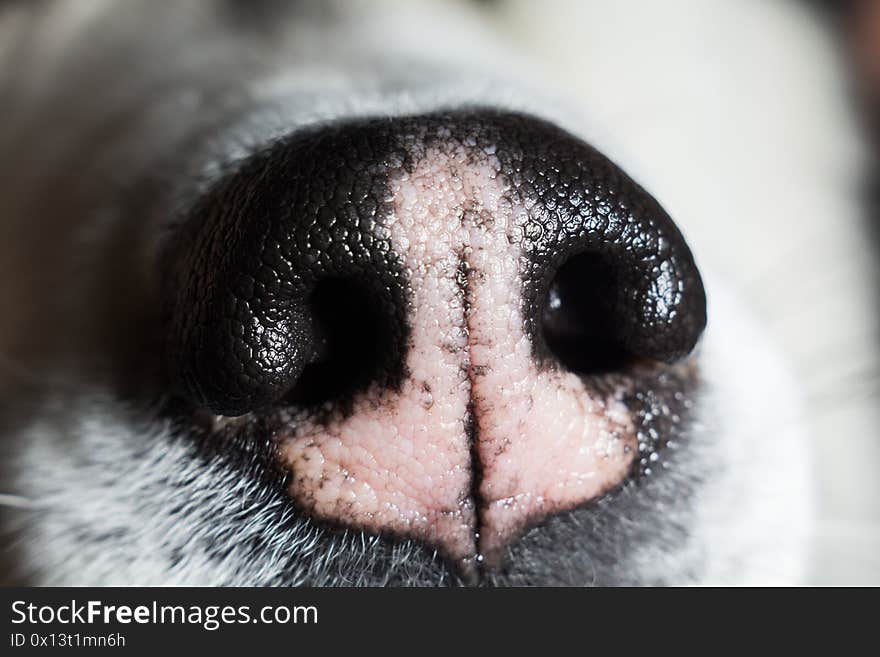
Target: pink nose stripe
(404, 462)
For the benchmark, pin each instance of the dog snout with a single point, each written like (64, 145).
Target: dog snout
(445, 309)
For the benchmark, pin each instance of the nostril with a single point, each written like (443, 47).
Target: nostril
(280, 281)
(612, 279)
(354, 343)
(579, 321)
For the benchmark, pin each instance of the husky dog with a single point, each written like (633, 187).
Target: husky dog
(342, 293)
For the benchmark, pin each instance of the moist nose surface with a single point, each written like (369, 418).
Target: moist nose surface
(466, 426)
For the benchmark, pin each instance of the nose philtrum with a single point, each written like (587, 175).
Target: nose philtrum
(467, 429)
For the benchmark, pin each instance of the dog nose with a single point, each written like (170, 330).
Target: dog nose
(446, 311)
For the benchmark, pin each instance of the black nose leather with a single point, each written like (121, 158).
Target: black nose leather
(287, 261)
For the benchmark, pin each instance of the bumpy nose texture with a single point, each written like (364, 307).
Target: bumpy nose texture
(254, 251)
(456, 236)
